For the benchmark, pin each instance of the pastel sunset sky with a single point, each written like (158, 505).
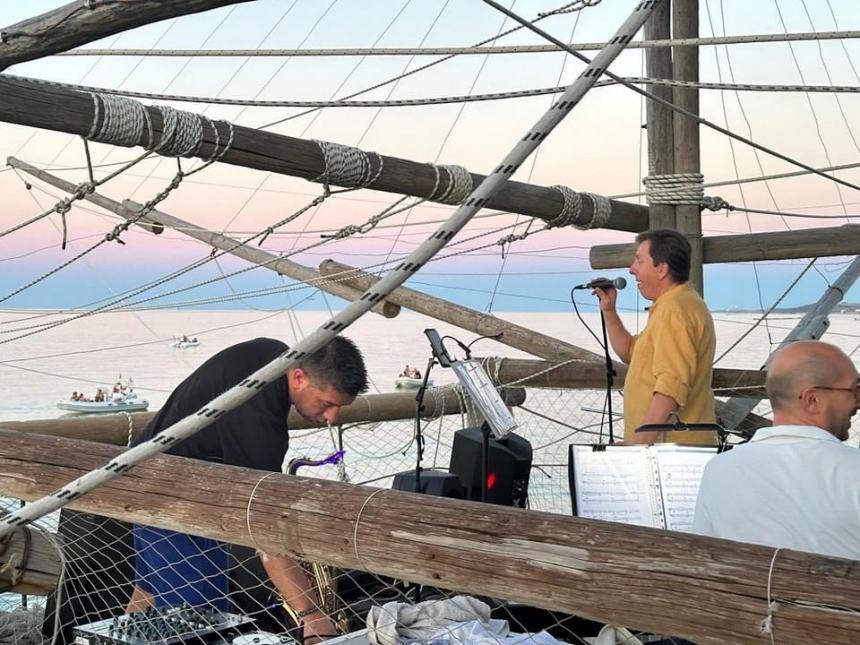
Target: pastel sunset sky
(599, 148)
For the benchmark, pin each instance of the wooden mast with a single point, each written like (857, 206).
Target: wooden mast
(685, 65)
(659, 128)
(62, 110)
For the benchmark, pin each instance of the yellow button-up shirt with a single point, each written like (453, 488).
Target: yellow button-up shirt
(674, 355)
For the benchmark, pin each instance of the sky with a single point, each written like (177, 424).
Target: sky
(599, 148)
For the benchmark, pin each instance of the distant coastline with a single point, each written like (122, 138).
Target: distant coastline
(841, 308)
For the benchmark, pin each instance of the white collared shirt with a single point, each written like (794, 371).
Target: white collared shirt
(794, 487)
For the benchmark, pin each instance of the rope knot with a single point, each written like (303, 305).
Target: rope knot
(714, 204)
(63, 206)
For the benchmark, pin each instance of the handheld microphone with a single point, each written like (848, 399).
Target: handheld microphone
(603, 283)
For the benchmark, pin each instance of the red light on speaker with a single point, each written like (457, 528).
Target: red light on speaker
(491, 481)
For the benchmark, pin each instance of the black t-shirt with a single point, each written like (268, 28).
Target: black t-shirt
(254, 435)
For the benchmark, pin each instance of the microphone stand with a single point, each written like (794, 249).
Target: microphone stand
(610, 376)
(419, 408)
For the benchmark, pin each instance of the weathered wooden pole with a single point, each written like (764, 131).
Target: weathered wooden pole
(156, 220)
(708, 590)
(52, 108)
(117, 428)
(80, 22)
(29, 563)
(658, 63)
(474, 321)
(780, 245)
(685, 65)
(577, 376)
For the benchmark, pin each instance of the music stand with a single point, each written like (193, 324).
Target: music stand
(722, 432)
(498, 420)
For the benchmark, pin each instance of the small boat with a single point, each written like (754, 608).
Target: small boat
(120, 398)
(409, 383)
(181, 341)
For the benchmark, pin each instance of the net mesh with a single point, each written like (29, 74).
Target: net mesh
(98, 552)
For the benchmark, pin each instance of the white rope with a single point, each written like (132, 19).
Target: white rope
(122, 121)
(248, 508)
(459, 185)
(570, 209)
(459, 51)
(347, 165)
(772, 606)
(602, 210)
(682, 188)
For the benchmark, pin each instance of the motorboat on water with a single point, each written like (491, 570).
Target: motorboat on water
(181, 341)
(120, 398)
(410, 383)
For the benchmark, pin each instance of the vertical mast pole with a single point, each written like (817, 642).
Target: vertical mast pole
(658, 64)
(685, 19)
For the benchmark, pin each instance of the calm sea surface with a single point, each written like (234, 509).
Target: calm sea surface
(39, 370)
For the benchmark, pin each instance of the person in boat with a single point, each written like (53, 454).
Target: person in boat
(794, 485)
(407, 372)
(414, 373)
(100, 396)
(173, 568)
(75, 396)
(671, 360)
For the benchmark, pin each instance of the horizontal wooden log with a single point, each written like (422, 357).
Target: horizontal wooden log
(750, 247)
(394, 406)
(477, 322)
(576, 376)
(43, 106)
(29, 562)
(80, 22)
(708, 590)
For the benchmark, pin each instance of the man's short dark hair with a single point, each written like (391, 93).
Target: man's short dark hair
(670, 247)
(338, 364)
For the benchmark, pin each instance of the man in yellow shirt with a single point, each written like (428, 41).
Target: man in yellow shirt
(671, 361)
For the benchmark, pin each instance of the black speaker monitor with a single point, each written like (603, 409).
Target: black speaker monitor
(510, 461)
(433, 482)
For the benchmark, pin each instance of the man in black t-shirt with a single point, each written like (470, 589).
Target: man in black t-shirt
(174, 568)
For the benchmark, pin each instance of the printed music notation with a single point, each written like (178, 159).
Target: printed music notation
(644, 485)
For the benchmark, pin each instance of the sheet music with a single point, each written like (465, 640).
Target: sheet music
(614, 485)
(679, 473)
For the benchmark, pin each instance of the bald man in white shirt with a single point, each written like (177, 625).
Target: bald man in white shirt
(795, 484)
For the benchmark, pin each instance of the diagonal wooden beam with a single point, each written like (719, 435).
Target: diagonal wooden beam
(83, 21)
(28, 102)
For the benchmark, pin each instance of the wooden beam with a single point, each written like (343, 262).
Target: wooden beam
(51, 108)
(685, 67)
(29, 563)
(659, 117)
(752, 247)
(394, 406)
(477, 322)
(83, 21)
(707, 590)
(156, 220)
(592, 376)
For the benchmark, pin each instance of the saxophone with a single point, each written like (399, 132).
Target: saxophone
(323, 577)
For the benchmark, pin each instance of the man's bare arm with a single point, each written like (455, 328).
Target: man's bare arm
(659, 411)
(297, 591)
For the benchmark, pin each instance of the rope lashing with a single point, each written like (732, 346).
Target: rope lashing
(571, 210)
(458, 188)
(683, 188)
(347, 165)
(122, 121)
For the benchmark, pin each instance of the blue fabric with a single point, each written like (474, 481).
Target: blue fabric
(177, 568)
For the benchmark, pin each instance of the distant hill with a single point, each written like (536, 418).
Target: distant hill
(841, 308)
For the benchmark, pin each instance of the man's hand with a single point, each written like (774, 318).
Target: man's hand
(316, 628)
(606, 297)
